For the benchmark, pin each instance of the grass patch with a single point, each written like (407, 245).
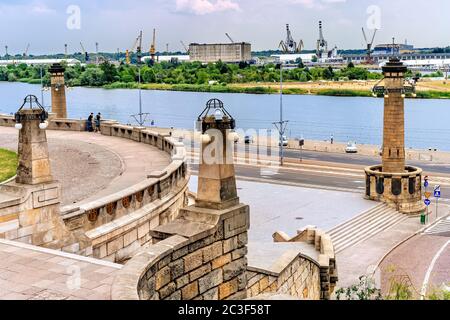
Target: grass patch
(433, 94)
(8, 164)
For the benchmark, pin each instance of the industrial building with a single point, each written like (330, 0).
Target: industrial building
(396, 49)
(229, 52)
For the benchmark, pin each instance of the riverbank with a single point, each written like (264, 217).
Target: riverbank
(425, 90)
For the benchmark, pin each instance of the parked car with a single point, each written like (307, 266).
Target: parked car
(285, 141)
(248, 139)
(351, 147)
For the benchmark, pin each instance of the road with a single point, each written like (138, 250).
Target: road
(324, 170)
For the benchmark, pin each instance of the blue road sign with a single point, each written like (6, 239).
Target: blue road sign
(426, 184)
(427, 202)
(437, 191)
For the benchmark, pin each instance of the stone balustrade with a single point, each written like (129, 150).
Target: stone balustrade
(116, 226)
(7, 120)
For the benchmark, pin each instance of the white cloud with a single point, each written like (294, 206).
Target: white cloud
(316, 4)
(201, 7)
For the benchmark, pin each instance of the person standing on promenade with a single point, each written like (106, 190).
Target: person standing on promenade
(89, 126)
(98, 119)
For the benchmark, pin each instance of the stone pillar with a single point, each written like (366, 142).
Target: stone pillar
(34, 162)
(216, 177)
(59, 106)
(217, 224)
(394, 118)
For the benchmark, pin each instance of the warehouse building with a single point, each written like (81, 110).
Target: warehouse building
(229, 52)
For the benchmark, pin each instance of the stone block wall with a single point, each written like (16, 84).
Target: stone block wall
(202, 257)
(316, 276)
(300, 279)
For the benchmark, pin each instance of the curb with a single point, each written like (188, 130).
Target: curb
(8, 181)
(405, 240)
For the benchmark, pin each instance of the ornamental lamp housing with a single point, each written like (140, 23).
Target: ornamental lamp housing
(215, 116)
(35, 111)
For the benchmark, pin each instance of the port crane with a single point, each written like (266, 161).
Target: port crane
(228, 36)
(289, 45)
(153, 47)
(86, 54)
(185, 47)
(369, 59)
(25, 53)
(136, 46)
(322, 44)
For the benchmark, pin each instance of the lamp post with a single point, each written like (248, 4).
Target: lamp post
(216, 178)
(282, 124)
(34, 163)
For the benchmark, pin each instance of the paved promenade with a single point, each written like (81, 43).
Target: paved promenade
(33, 273)
(90, 166)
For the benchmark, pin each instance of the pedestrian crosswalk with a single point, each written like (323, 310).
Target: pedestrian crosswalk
(440, 228)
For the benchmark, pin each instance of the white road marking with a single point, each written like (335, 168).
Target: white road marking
(423, 292)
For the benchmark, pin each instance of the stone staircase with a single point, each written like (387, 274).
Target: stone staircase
(365, 226)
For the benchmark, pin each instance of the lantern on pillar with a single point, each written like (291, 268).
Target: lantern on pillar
(217, 182)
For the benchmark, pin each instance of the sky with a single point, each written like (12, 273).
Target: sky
(48, 24)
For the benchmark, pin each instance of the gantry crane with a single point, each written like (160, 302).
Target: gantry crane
(153, 47)
(289, 45)
(185, 47)
(138, 46)
(369, 46)
(322, 44)
(86, 54)
(25, 53)
(228, 36)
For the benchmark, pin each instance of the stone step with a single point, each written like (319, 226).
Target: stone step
(379, 217)
(355, 221)
(370, 232)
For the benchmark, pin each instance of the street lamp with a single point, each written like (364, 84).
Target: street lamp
(35, 107)
(282, 124)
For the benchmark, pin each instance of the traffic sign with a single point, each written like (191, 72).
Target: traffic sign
(437, 191)
(426, 184)
(427, 202)
(427, 195)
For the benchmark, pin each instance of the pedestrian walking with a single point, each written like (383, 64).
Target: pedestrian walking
(332, 139)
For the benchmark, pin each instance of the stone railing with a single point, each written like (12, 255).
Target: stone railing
(299, 275)
(7, 120)
(402, 191)
(116, 226)
(201, 255)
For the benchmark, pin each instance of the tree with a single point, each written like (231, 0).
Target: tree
(148, 75)
(109, 72)
(350, 65)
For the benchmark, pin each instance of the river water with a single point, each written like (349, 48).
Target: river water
(313, 117)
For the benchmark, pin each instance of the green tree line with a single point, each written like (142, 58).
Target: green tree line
(181, 73)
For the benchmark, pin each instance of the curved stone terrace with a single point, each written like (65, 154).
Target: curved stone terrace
(90, 166)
